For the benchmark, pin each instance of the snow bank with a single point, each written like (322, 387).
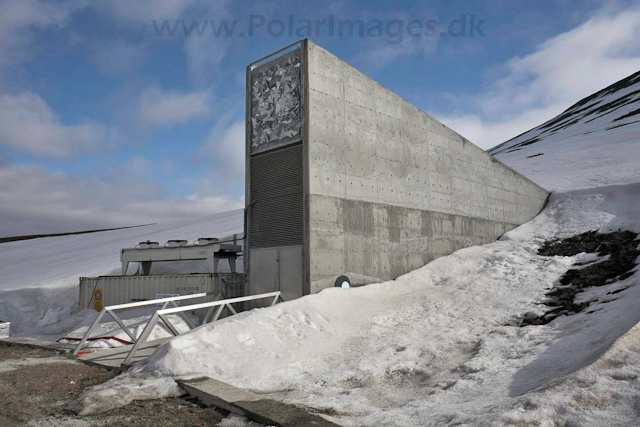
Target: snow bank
(121, 391)
(432, 346)
(604, 393)
(237, 421)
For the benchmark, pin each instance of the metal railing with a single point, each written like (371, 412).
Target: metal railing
(209, 317)
(110, 310)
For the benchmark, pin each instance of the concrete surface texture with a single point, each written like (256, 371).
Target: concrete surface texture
(260, 408)
(390, 187)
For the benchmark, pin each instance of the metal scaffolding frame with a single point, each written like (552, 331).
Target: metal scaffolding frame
(110, 310)
(161, 315)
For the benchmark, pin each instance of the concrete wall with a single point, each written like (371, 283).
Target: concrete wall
(391, 188)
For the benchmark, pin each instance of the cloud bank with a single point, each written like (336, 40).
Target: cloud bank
(561, 71)
(28, 125)
(34, 200)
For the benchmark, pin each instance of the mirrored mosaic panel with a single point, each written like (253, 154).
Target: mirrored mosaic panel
(276, 102)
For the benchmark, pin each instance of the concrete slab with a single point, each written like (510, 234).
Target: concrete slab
(257, 407)
(112, 358)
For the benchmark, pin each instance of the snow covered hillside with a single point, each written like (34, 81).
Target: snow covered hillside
(39, 277)
(595, 142)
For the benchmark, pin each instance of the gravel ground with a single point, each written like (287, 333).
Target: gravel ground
(36, 385)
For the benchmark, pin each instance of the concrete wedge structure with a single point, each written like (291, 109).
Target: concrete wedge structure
(343, 175)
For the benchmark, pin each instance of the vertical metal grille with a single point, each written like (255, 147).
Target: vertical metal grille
(276, 191)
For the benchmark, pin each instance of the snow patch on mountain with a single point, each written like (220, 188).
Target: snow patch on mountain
(593, 143)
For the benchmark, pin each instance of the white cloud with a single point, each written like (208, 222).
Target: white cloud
(395, 40)
(380, 52)
(146, 10)
(204, 53)
(75, 204)
(27, 124)
(204, 56)
(232, 147)
(224, 146)
(562, 70)
(157, 108)
(118, 58)
(228, 144)
(487, 133)
(18, 18)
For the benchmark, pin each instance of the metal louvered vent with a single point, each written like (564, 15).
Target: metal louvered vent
(276, 190)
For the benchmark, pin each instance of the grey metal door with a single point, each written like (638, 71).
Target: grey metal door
(290, 272)
(276, 269)
(263, 270)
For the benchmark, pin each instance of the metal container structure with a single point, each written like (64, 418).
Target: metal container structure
(98, 292)
(343, 175)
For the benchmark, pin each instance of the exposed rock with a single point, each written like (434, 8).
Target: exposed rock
(622, 248)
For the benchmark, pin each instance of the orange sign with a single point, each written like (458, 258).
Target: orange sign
(97, 299)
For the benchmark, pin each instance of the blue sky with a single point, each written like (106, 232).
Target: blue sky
(105, 123)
